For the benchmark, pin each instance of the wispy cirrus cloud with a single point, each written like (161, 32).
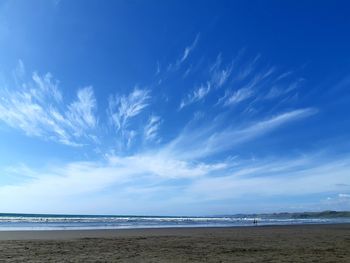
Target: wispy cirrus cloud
(248, 90)
(249, 68)
(151, 128)
(125, 107)
(188, 50)
(44, 113)
(197, 95)
(237, 96)
(37, 108)
(257, 84)
(184, 56)
(46, 86)
(219, 74)
(81, 112)
(241, 84)
(206, 141)
(279, 90)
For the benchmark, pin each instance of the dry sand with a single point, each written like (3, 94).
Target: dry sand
(306, 243)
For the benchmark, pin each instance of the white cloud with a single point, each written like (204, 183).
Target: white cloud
(129, 136)
(252, 87)
(218, 77)
(66, 183)
(196, 95)
(337, 202)
(60, 183)
(151, 128)
(124, 108)
(157, 69)
(81, 113)
(156, 164)
(284, 75)
(278, 177)
(188, 50)
(37, 108)
(188, 71)
(239, 96)
(202, 142)
(45, 86)
(218, 74)
(149, 172)
(185, 55)
(149, 175)
(344, 195)
(273, 93)
(248, 69)
(280, 90)
(20, 71)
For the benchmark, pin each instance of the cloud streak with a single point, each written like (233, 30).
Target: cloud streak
(197, 95)
(123, 108)
(151, 128)
(204, 142)
(37, 108)
(310, 178)
(188, 50)
(220, 74)
(185, 55)
(238, 96)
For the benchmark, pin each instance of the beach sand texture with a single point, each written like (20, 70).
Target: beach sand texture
(303, 243)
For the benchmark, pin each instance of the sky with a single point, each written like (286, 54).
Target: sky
(174, 107)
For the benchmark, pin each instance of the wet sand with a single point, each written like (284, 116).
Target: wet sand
(302, 243)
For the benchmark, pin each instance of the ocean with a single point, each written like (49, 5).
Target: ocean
(76, 222)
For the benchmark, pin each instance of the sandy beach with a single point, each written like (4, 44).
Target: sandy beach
(303, 243)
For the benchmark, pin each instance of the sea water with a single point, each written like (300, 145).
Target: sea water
(76, 222)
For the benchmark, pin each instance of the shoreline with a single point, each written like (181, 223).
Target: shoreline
(59, 234)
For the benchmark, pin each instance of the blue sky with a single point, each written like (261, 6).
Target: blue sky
(174, 107)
